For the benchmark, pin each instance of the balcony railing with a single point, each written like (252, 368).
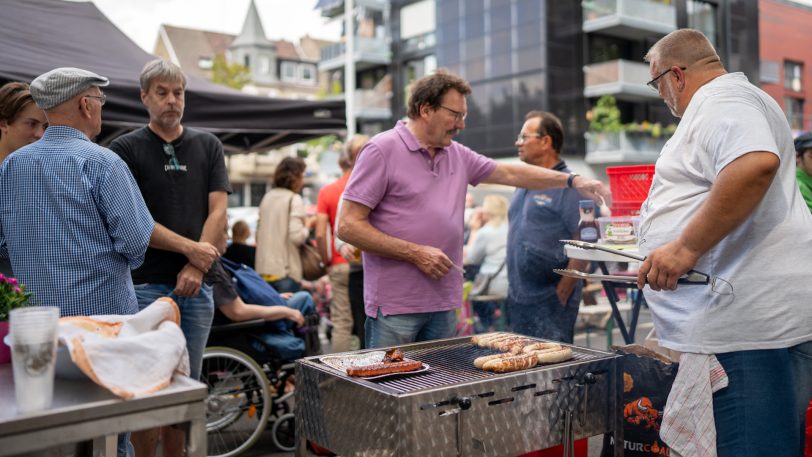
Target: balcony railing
(629, 18)
(623, 79)
(370, 103)
(374, 51)
(622, 147)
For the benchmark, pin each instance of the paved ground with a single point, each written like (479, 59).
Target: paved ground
(594, 338)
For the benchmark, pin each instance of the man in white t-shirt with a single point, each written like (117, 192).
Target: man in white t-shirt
(724, 201)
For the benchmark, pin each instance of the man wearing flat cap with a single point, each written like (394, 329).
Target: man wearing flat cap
(803, 161)
(72, 220)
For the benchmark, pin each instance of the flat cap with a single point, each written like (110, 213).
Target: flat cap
(803, 142)
(62, 84)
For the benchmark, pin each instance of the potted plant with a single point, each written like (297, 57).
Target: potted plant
(12, 296)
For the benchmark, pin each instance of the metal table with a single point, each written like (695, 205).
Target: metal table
(85, 412)
(600, 258)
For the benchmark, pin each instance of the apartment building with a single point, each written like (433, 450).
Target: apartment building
(786, 58)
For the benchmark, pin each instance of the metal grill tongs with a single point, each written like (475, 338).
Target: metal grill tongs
(691, 277)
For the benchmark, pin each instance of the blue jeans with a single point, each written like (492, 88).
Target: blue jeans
(196, 314)
(281, 335)
(399, 329)
(286, 285)
(801, 356)
(545, 318)
(124, 447)
(485, 311)
(755, 414)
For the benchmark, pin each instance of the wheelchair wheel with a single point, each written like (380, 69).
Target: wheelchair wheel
(283, 433)
(238, 403)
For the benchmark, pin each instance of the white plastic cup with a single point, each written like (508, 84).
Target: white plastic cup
(33, 333)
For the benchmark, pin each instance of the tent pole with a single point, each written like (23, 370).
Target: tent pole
(349, 65)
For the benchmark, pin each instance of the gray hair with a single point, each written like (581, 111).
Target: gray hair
(161, 70)
(683, 47)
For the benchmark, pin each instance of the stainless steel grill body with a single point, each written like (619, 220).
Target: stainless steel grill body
(455, 409)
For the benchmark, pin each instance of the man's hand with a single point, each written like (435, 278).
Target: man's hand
(592, 189)
(564, 289)
(286, 295)
(348, 252)
(201, 254)
(432, 261)
(190, 279)
(664, 266)
(296, 316)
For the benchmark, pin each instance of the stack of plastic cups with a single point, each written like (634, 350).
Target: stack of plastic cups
(33, 333)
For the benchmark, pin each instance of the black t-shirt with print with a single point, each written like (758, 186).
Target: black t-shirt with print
(175, 180)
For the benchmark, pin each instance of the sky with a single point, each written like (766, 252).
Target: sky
(287, 19)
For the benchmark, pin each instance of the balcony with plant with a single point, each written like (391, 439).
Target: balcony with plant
(611, 141)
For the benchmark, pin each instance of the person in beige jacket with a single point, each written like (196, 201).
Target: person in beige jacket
(282, 228)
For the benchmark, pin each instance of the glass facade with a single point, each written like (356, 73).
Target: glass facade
(498, 46)
(523, 55)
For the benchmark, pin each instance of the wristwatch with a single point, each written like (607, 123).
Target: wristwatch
(571, 179)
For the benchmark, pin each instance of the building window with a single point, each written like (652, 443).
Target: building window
(289, 71)
(794, 108)
(264, 65)
(205, 63)
(702, 17)
(235, 197)
(307, 73)
(257, 192)
(792, 76)
(246, 61)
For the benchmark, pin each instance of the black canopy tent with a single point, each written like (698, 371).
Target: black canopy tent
(39, 35)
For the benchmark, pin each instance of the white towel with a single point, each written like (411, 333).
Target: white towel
(131, 354)
(688, 427)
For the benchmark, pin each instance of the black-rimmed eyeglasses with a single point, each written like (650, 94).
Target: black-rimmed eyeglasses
(101, 98)
(169, 150)
(458, 115)
(654, 84)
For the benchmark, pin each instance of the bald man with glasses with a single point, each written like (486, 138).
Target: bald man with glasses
(724, 200)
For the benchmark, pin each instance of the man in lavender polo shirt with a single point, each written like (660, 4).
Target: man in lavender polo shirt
(404, 204)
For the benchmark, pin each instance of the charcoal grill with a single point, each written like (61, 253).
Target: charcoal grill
(455, 409)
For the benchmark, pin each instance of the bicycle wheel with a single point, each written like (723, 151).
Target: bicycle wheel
(238, 403)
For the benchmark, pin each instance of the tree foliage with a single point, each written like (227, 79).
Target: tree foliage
(232, 75)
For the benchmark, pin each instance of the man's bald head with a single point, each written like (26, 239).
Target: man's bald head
(683, 48)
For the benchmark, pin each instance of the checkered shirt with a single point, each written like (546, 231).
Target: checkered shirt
(73, 223)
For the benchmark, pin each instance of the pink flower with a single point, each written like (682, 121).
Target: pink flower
(12, 281)
(17, 289)
(2, 278)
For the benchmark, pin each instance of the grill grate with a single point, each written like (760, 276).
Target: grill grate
(453, 364)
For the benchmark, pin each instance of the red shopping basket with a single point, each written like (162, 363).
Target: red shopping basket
(630, 184)
(625, 209)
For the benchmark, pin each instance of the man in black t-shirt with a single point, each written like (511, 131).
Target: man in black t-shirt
(182, 176)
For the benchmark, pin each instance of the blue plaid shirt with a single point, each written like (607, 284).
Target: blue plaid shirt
(73, 223)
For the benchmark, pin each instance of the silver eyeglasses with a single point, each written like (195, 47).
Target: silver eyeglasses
(169, 150)
(101, 98)
(458, 115)
(522, 138)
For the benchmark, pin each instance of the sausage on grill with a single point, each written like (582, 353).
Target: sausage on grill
(513, 363)
(377, 369)
(479, 362)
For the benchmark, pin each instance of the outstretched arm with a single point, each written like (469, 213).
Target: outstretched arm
(532, 177)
